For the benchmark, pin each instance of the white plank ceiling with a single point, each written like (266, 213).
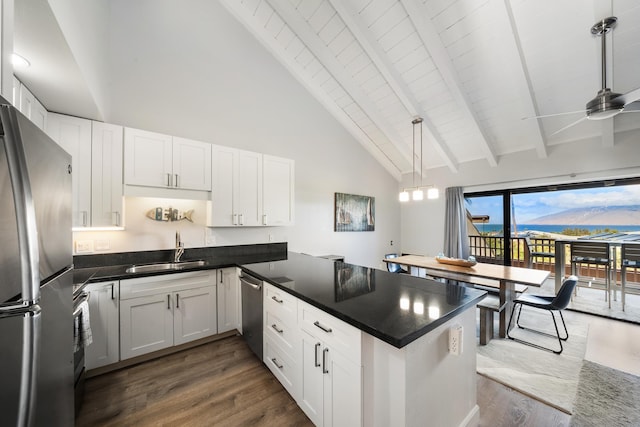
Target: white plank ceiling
(472, 69)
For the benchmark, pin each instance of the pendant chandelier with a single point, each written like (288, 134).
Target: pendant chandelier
(417, 192)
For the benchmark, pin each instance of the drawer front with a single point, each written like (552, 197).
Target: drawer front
(282, 366)
(284, 333)
(335, 333)
(281, 303)
(166, 283)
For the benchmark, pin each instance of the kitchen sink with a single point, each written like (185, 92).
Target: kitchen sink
(164, 266)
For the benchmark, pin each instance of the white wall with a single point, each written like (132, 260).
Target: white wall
(581, 161)
(252, 103)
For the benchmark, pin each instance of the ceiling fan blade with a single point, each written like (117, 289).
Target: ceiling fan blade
(632, 107)
(628, 97)
(554, 115)
(569, 125)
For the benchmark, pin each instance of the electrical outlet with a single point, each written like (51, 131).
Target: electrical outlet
(455, 340)
(84, 246)
(102, 245)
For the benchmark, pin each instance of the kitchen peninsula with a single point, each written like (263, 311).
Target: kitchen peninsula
(409, 377)
(361, 346)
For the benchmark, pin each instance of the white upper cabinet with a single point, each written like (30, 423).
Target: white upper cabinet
(223, 167)
(249, 179)
(278, 190)
(74, 135)
(191, 164)
(148, 158)
(236, 195)
(30, 106)
(106, 175)
(250, 189)
(96, 150)
(156, 160)
(15, 95)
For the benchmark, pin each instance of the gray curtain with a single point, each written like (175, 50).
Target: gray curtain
(456, 242)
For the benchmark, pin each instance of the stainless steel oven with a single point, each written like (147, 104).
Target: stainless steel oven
(78, 347)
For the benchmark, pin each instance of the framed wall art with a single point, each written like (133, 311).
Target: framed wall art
(354, 213)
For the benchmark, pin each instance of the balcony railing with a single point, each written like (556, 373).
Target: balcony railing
(490, 249)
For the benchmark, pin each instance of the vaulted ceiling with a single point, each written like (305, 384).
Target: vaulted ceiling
(472, 69)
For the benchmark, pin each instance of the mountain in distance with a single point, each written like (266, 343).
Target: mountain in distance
(598, 215)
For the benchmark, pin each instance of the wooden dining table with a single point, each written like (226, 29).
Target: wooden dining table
(505, 276)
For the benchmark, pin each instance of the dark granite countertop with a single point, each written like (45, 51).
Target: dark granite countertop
(395, 308)
(107, 267)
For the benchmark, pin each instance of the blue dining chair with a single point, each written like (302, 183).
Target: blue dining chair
(543, 302)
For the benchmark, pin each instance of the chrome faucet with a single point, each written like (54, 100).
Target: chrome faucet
(179, 248)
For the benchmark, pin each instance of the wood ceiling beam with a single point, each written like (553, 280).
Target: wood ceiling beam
(432, 42)
(530, 103)
(279, 52)
(317, 47)
(372, 48)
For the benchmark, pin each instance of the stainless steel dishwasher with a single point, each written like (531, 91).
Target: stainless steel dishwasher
(252, 312)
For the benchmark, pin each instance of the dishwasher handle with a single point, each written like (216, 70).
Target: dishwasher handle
(251, 281)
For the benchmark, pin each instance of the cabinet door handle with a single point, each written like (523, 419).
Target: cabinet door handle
(84, 218)
(176, 183)
(316, 363)
(235, 219)
(277, 329)
(168, 180)
(117, 223)
(220, 276)
(241, 219)
(177, 300)
(325, 369)
(275, 298)
(264, 219)
(324, 328)
(275, 362)
(168, 302)
(112, 295)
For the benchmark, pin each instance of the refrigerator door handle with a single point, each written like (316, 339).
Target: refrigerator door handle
(25, 210)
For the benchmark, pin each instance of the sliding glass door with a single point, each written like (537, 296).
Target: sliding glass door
(487, 228)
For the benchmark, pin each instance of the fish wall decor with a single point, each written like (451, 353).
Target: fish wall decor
(169, 214)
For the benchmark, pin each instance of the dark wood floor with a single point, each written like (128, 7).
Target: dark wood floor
(223, 384)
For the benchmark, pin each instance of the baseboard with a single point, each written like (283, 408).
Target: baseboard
(473, 417)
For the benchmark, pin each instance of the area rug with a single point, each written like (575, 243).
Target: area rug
(606, 397)
(542, 375)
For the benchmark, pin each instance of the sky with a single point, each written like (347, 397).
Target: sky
(534, 205)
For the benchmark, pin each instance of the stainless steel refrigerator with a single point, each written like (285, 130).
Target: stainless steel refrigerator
(36, 323)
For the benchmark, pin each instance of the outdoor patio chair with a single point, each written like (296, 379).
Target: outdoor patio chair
(533, 252)
(630, 258)
(543, 302)
(592, 253)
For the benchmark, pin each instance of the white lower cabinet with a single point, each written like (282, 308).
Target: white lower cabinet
(331, 392)
(316, 357)
(281, 351)
(104, 314)
(161, 311)
(229, 304)
(194, 315)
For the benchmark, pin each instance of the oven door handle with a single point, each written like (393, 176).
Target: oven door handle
(85, 296)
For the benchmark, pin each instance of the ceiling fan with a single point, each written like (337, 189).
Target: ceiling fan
(607, 103)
